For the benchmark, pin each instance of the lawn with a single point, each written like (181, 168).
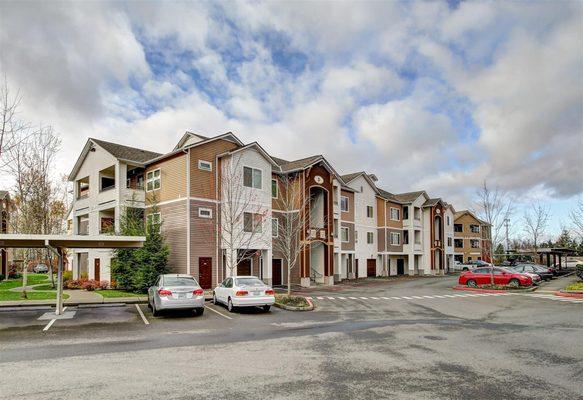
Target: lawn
(577, 286)
(48, 286)
(32, 279)
(15, 296)
(109, 293)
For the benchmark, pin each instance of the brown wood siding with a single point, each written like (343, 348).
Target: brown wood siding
(173, 179)
(380, 212)
(203, 183)
(348, 246)
(392, 248)
(466, 220)
(203, 239)
(349, 215)
(391, 223)
(382, 241)
(174, 230)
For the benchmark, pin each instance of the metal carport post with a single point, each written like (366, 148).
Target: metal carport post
(56, 244)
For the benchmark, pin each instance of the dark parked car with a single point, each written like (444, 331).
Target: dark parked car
(544, 272)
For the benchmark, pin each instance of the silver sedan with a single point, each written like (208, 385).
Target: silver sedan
(176, 292)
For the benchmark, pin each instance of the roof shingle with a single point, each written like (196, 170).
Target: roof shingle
(126, 152)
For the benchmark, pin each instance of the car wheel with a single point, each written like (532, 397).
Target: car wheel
(230, 306)
(514, 283)
(471, 283)
(215, 302)
(198, 311)
(155, 312)
(266, 308)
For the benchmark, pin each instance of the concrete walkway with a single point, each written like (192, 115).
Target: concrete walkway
(558, 284)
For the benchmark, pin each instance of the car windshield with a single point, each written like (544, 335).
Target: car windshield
(248, 282)
(179, 281)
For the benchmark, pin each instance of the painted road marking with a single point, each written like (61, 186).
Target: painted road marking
(220, 313)
(51, 322)
(142, 315)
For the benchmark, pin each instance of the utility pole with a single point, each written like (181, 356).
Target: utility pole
(506, 221)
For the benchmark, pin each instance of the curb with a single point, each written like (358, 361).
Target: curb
(469, 289)
(577, 295)
(292, 308)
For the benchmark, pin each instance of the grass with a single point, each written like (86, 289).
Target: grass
(293, 301)
(48, 286)
(16, 296)
(577, 286)
(32, 279)
(112, 293)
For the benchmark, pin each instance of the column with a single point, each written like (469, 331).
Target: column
(267, 257)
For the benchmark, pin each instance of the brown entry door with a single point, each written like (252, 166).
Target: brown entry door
(97, 269)
(276, 272)
(244, 267)
(371, 267)
(205, 272)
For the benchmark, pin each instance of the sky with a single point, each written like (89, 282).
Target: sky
(435, 96)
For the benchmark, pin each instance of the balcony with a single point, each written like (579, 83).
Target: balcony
(316, 234)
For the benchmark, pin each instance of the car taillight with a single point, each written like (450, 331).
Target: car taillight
(269, 292)
(241, 293)
(164, 292)
(198, 292)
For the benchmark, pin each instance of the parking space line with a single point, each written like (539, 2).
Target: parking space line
(51, 322)
(220, 313)
(142, 314)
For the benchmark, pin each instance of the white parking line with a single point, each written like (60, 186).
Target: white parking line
(51, 322)
(142, 315)
(220, 313)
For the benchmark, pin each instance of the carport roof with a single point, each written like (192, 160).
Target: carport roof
(71, 241)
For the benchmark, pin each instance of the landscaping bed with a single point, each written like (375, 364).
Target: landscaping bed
(293, 303)
(115, 293)
(496, 288)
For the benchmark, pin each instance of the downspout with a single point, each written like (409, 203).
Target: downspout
(188, 220)
(217, 216)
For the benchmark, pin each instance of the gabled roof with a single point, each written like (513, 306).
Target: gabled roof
(388, 196)
(463, 212)
(289, 166)
(432, 202)
(187, 135)
(409, 197)
(256, 146)
(350, 177)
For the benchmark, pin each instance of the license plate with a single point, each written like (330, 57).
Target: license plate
(181, 295)
(256, 293)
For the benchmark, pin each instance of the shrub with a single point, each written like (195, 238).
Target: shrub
(67, 276)
(90, 285)
(103, 285)
(294, 301)
(579, 269)
(75, 283)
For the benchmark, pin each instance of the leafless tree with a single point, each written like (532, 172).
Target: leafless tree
(244, 216)
(577, 218)
(494, 206)
(12, 129)
(292, 208)
(536, 220)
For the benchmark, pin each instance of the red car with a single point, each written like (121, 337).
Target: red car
(481, 276)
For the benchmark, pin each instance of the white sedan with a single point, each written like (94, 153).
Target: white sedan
(244, 291)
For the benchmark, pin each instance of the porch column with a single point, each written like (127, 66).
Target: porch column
(267, 266)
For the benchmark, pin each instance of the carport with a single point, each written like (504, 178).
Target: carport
(556, 253)
(56, 244)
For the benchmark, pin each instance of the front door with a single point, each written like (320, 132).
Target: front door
(276, 272)
(97, 272)
(244, 267)
(371, 267)
(356, 268)
(400, 266)
(205, 272)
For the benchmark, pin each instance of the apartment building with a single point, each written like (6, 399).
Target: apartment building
(471, 237)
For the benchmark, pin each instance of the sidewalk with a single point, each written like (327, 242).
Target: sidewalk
(557, 284)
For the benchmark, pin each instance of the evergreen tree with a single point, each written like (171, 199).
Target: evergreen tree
(565, 240)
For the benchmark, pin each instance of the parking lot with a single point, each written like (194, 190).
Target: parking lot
(408, 338)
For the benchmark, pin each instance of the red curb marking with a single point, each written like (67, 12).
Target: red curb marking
(575, 295)
(468, 289)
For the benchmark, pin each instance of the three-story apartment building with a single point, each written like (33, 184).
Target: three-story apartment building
(471, 237)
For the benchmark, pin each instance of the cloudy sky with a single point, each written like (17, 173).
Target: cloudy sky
(427, 95)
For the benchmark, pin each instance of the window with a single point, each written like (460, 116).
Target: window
(344, 235)
(153, 180)
(344, 203)
(475, 228)
(274, 188)
(417, 237)
(83, 188)
(405, 237)
(406, 212)
(205, 165)
(475, 243)
(395, 238)
(449, 241)
(370, 237)
(205, 212)
(458, 228)
(448, 221)
(369, 211)
(274, 227)
(395, 214)
(154, 221)
(252, 223)
(252, 177)
(459, 243)
(417, 213)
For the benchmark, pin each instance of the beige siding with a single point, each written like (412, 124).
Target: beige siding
(203, 239)
(203, 183)
(174, 230)
(173, 182)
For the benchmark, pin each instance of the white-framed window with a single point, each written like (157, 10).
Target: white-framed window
(475, 243)
(153, 180)
(369, 211)
(449, 241)
(205, 212)
(252, 177)
(205, 165)
(274, 189)
(370, 237)
(343, 203)
(395, 214)
(274, 227)
(252, 222)
(448, 221)
(344, 235)
(154, 221)
(475, 228)
(395, 238)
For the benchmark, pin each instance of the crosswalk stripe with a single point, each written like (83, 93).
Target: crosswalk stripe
(342, 298)
(385, 298)
(320, 298)
(374, 298)
(353, 298)
(330, 298)
(364, 298)
(417, 297)
(408, 298)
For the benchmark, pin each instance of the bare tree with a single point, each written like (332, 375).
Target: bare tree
(535, 223)
(12, 129)
(577, 218)
(243, 213)
(292, 209)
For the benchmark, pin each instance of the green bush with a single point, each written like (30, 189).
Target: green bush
(293, 301)
(579, 269)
